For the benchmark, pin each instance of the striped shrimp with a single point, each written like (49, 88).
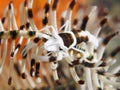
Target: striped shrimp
(72, 42)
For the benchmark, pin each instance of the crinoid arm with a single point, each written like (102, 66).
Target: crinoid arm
(65, 49)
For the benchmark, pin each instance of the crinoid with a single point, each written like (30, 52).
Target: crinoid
(72, 49)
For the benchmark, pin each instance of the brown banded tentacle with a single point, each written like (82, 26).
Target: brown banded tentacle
(30, 15)
(46, 11)
(13, 34)
(84, 23)
(74, 24)
(35, 66)
(10, 14)
(22, 27)
(115, 51)
(72, 4)
(53, 15)
(10, 81)
(1, 34)
(74, 74)
(101, 24)
(70, 8)
(54, 6)
(37, 72)
(68, 16)
(23, 66)
(23, 11)
(62, 22)
(5, 14)
(17, 69)
(109, 37)
(32, 67)
(104, 43)
(54, 66)
(103, 64)
(3, 20)
(72, 63)
(111, 58)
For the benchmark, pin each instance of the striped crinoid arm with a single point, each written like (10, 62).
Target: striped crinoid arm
(66, 51)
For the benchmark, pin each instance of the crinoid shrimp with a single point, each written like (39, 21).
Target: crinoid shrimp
(66, 52)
